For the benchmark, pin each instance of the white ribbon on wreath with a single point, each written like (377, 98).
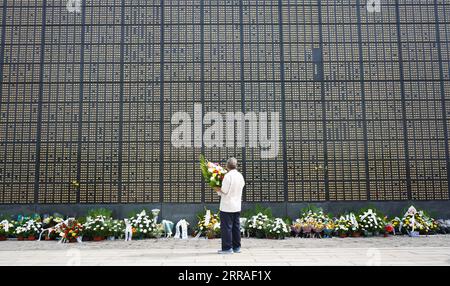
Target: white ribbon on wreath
(413, 223)
(58, 227)
(371, 214)
(5, 224)
(183, 224)
(207, 217)
(352, 218)
(141, 215)
(128, 230)
(30, 223)
(412, 212)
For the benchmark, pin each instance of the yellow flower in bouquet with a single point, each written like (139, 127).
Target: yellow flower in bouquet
(318, 227)
(208, 224)
(298, 224)
(330, 225)
(395, 223)
(212, 173)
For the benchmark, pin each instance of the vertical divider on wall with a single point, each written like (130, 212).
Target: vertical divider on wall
(2, 45)
(80, 103)
(403, 99)
(122, 57)
(283, 103)
(363, 99)
(242, 80)
(2, 61)
(39, 114)
(202, 81)
(323, 102)
(441, 77)
(161, 108)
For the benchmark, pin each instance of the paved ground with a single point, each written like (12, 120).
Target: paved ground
(431, 250)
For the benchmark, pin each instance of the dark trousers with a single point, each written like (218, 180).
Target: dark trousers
(230, 230)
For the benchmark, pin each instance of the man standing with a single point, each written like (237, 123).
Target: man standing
(230, 208)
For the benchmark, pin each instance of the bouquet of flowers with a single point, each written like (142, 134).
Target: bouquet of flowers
(395, 223)
(316, 215)
(416, 222)
(28, 229)
(317, 228)
(370, 222)
(311, 223)
(256, 225)
(116, 228)
(212, 173)
(329, 228)
(276, 228)
(5, 229)
(354, 227)
(50, 222)
(307, 227)
(208, 225)
(13, 224)
(70, 231)
(296, 227)
(342, 226)
(432, 226)
(144, 226)
(96, 228)
(389, 229)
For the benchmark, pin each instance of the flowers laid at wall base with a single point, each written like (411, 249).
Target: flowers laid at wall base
(328, 229)
(70, 231)
(208, 225)
(342, 226)
(5, 229)
(256, 225)
(96, 228)
(28, 229)
(276, 228)
(116, 229)
(355, 228)
(389, 229)
(311, 223)
(416, 222)
(371, 222)
(258, 222)
(50, 222)
(143, 226)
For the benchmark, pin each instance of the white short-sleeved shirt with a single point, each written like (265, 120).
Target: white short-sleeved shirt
(231, 192)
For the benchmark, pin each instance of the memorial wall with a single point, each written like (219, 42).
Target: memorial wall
(88, 90)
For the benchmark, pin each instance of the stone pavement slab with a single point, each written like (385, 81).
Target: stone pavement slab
(400, 250)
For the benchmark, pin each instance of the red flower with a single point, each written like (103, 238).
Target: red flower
(389, 228)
